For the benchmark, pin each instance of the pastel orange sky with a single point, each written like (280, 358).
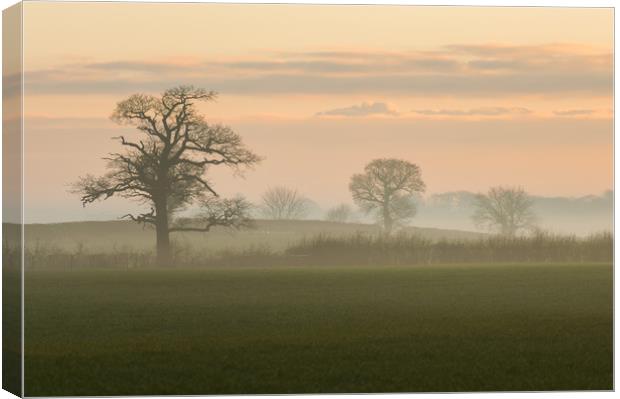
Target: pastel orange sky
(476, 96)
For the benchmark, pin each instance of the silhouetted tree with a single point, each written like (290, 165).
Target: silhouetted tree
(165, 167)
(341, 213)
(386, 189)
(506, 210)
(285, 203)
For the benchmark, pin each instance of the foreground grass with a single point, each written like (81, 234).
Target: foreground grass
(304, 330)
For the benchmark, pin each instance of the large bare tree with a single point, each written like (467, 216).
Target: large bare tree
(165, 166)
(283, 203)
(386, 189)
(506, 210)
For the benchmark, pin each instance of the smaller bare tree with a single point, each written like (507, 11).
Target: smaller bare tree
(283, 203)
(505, 210)
(341, 214)
(386, 190)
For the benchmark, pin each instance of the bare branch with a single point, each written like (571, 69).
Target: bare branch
(232, 213)
(143, 218)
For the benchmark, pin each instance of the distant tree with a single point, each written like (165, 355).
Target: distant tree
(505, 210)
(283, 203)
(341, 213)
(164, 168)
(386, 189)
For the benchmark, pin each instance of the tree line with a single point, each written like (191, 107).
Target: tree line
(391, 201)
(165, 166)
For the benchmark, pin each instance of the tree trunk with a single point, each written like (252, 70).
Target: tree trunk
(387, 219)
(164, 255)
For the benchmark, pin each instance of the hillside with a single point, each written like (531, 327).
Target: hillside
(110, 235)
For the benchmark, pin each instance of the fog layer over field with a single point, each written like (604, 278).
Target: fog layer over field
(567, 215)
(446, 211)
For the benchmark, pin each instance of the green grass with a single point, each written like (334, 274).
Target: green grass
(304, 330)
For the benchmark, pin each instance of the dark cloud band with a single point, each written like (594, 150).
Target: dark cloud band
(448, 71)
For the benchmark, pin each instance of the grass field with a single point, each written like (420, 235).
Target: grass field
(304, 330)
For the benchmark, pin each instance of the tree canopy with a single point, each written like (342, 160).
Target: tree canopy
(386, 190)
(506, 210)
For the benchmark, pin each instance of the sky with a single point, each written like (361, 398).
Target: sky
(475, 96)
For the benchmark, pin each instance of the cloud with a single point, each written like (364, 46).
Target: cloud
(574, 112)
(457, 70)
(387, 84)
(364, 109)
(344, 66)
(482, 111)
(545, 57)
(281, 63)
(490, 65)
(133, 66)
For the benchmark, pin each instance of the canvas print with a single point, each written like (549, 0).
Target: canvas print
(209, 199)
